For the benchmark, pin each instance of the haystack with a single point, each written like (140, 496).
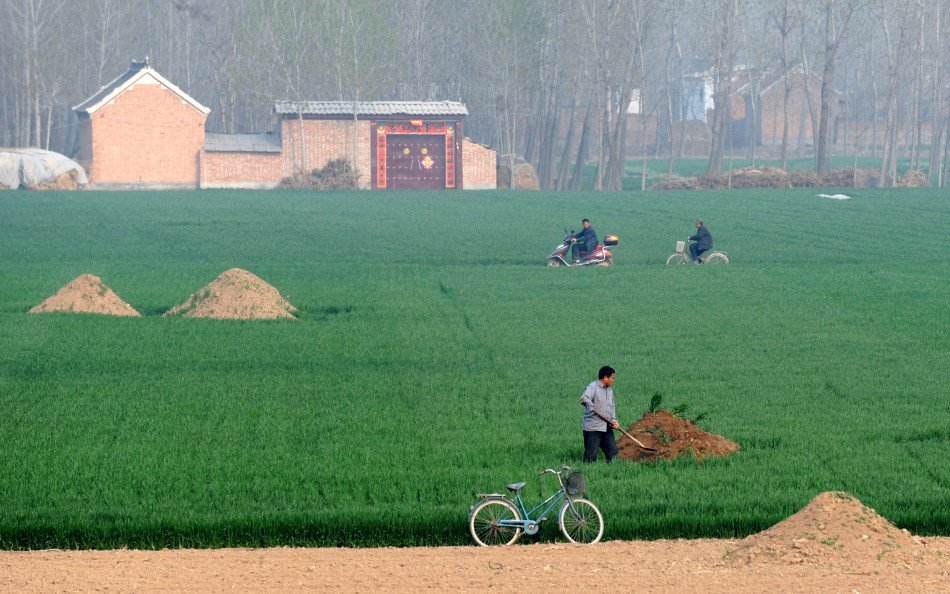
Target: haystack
(39, 169)
(525, 177)
(834, 529)
(86, 294)
(671, 436)
(236, 295)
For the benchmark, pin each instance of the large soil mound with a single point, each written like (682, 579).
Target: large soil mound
(836, 529)
(671, 435)
(236, 295)
(86, 294)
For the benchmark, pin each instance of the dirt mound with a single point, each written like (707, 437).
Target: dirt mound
(671, 435)
(235, 295)
(772, 177)
(836, 529)
(86, 294)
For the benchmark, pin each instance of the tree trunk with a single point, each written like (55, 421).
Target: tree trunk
(303, 139)
(583, 147)
(566, 153)
(946, 150)
(915, 120)
(832, 39)
(936, 133)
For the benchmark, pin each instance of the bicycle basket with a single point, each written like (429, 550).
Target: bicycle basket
(575, 483)
(680, 247)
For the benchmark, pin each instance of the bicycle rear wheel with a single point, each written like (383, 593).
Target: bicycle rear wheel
(484, 523)
(581, 523)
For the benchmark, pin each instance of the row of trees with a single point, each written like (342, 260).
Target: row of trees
(549, 80)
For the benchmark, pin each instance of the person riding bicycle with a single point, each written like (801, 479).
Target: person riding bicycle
(585, 241)
(598, 403)
(703, 239)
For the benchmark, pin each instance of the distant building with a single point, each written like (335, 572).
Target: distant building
(764, 123)
(141, 131)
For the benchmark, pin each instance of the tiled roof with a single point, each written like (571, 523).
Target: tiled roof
(137, 71)
(372, 108)
(104, 91)
(242, 143)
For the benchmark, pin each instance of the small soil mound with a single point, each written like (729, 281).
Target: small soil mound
(671, 435)
(235, 295)
(86, 294)
(835, 529)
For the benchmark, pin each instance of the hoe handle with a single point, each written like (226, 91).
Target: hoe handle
(632, 438)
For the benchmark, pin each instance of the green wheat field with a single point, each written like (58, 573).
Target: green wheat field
(436, 357)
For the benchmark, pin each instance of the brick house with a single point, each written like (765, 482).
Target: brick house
(394, 144)
(142, 131)
(756, 111)
(767, 125)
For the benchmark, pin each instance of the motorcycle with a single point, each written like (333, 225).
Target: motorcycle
(600, 256)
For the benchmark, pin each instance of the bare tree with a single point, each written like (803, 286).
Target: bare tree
(895, 29)
(721, 29)
(838, 15)
(783, 17)
(506, 64)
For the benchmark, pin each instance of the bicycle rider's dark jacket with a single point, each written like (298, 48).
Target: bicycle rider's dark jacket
(703, 238)
(586, 239)
(601, 398)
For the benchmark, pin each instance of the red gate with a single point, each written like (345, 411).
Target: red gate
(415, 161)
(415, 155)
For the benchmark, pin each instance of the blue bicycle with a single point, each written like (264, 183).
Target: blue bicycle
(499, 520)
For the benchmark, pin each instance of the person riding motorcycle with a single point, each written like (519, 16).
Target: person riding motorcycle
(585, 241)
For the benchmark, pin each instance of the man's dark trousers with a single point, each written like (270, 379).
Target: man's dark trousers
(599, 440)
(695, 253)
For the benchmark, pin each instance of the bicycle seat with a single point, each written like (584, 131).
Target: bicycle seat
(515, 487)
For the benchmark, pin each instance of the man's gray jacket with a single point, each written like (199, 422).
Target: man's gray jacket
(596, 396)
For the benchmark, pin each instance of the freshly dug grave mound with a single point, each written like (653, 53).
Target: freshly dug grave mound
(834, 529)
(671, 435)
(235, 295)
(86, 294)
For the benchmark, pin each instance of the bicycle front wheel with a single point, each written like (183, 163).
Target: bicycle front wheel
(581, 522)
(676, 258)
(484, 523)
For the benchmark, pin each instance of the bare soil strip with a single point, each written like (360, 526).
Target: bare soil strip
(657, 566)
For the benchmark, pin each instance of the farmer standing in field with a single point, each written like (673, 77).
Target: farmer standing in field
(600, 416)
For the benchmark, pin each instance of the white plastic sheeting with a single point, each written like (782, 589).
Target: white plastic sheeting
(34, 167)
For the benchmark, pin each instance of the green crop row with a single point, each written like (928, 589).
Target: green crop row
(436, 357)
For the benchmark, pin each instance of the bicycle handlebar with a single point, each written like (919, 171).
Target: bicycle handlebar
(552, 471)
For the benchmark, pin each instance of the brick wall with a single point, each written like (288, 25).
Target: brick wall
(799, 121)
(241, 170)
(147, 135)
(326, 140)
(479, 168)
